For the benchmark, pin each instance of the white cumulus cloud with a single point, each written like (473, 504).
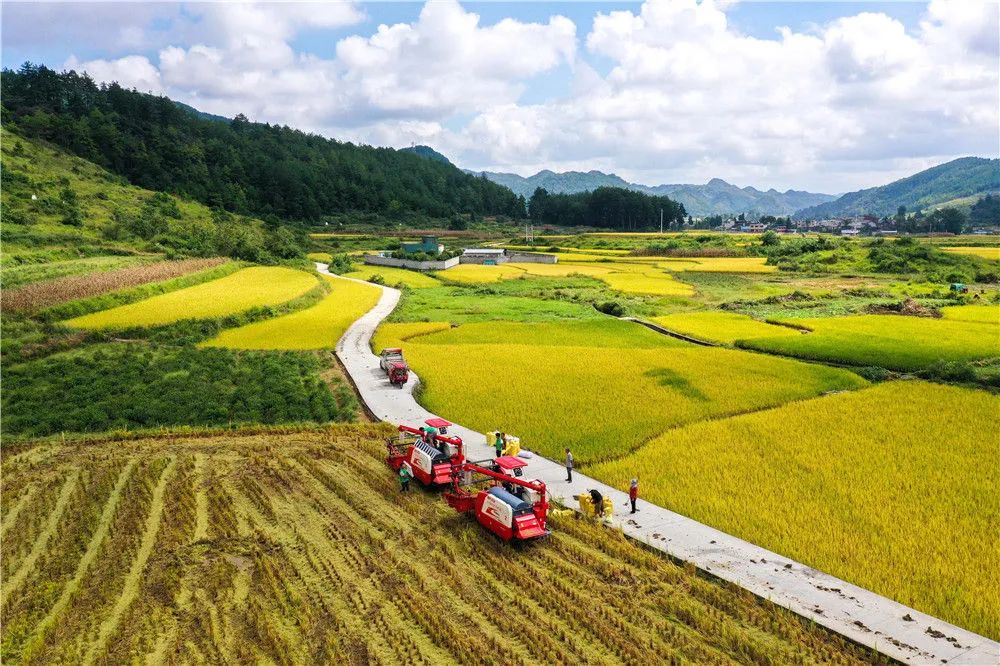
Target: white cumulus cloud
(669, 91)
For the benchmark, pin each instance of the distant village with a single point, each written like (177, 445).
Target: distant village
(859, 225)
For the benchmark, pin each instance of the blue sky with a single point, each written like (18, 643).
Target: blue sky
(821, 96)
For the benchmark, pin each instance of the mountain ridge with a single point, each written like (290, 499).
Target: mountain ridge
(962, 177)
(716, 197)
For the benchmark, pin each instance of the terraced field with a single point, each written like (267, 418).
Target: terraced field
(891, 487)
(316, 327)
(298, 548)
(252, 287)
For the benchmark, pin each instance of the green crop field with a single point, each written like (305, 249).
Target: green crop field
(892, 487)
(889, 341)
(316, 327)
(526, 377)
(249, 288)
(120, 386)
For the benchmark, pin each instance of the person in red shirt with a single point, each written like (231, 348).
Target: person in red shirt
(633, 493)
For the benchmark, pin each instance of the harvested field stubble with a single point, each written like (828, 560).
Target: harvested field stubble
(300, 549)
(892, 488)
(40, 295)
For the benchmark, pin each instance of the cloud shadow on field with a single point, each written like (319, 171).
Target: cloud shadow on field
(676, 381)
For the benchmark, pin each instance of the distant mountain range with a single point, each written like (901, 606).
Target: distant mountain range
(964, 177)
(944, 184)
(716, 197)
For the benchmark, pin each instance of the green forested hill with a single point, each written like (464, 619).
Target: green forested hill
(959, 178)
(240, 166)
(58, 207)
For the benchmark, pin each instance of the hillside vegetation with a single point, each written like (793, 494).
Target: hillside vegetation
(59, 210)
(242, 167)
(299, 548)
(963, 177)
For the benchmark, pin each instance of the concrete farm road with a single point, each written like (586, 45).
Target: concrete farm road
(862, 616)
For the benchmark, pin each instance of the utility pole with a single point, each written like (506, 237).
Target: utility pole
(661, 220)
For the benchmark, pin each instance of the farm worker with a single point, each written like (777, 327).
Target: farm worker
(633, 493)
(598, 501)
(405, 474)
(569, 466)
(500, 444)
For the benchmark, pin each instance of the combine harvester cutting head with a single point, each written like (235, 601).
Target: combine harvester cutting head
(431, 456)
(513, 508)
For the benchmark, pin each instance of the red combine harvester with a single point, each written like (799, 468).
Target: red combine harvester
(513, 508)
(431, 456)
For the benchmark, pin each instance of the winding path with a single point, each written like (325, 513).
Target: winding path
(860, 615)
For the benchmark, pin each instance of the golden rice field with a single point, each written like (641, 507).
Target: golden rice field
(991, 253)
(317, 327)
(560, 269)
(722, 327)
(394, 276)
(395, 334)
(989, 314)
(246, 289)
(889, 341)
(730, 265)
(653, 283)
(621, 383)
(630, 278)
(299, 548)
(893, 488)
(475, 273)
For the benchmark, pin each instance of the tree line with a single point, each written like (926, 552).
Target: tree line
(607, 208)
(239, 166)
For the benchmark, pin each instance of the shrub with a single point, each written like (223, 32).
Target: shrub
(613, 308)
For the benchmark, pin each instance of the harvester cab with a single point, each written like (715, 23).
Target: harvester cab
(431, 455)
(513, 508)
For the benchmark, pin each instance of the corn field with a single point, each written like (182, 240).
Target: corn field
(299, 548)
